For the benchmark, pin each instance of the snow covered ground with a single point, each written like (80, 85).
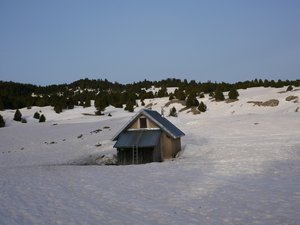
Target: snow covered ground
(240, 165)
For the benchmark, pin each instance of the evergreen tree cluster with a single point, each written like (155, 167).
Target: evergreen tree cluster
(39, 117)
(18, 117)
(2, 122)
(192, 100)
(233, 94)
(219, 96)
(103, 92)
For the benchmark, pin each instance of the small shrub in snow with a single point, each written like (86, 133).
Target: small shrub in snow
(23, 120)
(18, 115)
(289, 88)
(201, 95)
(36, 115)
(202, 107)
(173, 112)
(42, 118)
(2, 122)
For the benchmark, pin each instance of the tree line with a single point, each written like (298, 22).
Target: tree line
(103, 92)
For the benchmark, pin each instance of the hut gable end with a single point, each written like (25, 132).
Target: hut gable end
(142, 122)
(154, 120)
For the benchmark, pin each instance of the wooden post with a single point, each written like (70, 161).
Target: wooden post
(133, 154)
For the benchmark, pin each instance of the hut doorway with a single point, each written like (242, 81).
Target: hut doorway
(135, 155)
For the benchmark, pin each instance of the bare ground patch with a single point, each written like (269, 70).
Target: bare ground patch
(269, 103)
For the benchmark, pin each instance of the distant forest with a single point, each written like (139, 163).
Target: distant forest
(103, 92)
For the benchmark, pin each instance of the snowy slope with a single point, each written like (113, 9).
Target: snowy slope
(240, 165)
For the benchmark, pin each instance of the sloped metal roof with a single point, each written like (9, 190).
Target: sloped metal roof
(138, 138)
(155, 117)
(163, 123)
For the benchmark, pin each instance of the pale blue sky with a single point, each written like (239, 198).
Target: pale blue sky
(46, 42)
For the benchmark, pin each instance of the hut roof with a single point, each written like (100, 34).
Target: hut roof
(140, 138)
(155, 117)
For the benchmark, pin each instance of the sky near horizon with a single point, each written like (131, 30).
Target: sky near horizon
(52, 42)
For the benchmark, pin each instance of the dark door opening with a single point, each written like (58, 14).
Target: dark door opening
(128, 156)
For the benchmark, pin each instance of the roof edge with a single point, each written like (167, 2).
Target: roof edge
(145, 113)
(164, 128)
(114, 138)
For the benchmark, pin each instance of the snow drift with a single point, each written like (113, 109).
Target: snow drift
(240, 165)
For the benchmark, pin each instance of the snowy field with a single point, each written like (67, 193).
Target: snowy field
(240, 165)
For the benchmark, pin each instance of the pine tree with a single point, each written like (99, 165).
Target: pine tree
(1, 105)
(219, 96)
(36, 115)
(2, 122)
(192, 100)
(202, 107)
(162, 92)
(289, 88)
(58, 108)
(42, 118)
(18, 115)
(129, 107)
(233, 94)
(70, 103)
(179, 94)
(87, 103)
(101, 102)
(173, 112)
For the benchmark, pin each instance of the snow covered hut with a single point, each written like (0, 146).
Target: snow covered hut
(147, 137)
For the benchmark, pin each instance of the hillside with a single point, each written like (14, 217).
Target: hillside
(104, 93)
(239, 165)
